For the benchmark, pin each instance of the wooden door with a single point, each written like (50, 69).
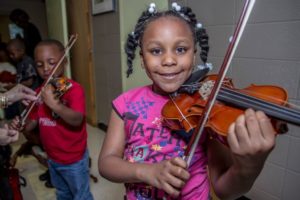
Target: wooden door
(79, 21)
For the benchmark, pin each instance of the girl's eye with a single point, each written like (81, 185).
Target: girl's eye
(181, 50)
(156, 51)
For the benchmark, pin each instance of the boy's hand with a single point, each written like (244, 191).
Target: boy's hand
(49, 97)
(169, 175)
(251, 138)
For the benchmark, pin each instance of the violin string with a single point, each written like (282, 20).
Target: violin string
(275, 110)
(198, 85)
(182, 115)
(272, 98)
(70, 43)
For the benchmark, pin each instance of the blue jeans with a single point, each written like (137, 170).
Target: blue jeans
(71, 181)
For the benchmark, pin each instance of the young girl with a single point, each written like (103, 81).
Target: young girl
(141, 152)
(62, 127)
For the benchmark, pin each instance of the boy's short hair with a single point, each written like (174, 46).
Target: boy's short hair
(52, 42)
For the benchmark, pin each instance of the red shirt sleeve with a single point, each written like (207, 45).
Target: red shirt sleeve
(76, 98)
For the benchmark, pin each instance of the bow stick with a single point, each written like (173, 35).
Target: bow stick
(217, 85)
(24, 115)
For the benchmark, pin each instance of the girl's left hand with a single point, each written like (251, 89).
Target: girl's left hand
(49, 97)
(251, 138)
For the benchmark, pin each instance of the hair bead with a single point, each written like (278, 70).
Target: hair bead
(151, 8)
(198, 25)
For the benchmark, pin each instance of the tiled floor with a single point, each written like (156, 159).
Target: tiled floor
(35, 189)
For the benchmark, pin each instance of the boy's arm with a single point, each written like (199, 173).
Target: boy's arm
(70, 116)
(234, 169)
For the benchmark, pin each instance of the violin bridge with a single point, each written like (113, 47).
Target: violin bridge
(206, 88)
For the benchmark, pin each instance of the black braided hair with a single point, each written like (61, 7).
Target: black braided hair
(185, 14)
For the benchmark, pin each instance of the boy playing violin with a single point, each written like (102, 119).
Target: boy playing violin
(61, 121)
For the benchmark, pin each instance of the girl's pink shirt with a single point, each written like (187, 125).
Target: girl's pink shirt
(149, 141)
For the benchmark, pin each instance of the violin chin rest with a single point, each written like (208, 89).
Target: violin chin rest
(190, 85)
(197, 75)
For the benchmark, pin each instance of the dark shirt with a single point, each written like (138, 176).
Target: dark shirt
(31, 38)
(26, 70)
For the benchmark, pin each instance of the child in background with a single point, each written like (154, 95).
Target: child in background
(7, 70)
(7, 81)
(31, 34)
(26, 72)
(62, 127)
(141, 152)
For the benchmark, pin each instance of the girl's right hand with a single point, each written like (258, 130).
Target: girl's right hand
(168, 175)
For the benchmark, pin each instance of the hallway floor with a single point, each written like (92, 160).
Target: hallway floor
(36, 190)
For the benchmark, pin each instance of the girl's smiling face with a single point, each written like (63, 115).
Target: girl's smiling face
(168, 53)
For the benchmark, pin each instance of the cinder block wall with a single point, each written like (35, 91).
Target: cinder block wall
(269, 53)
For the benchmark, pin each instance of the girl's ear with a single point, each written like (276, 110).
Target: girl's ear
(142, 60)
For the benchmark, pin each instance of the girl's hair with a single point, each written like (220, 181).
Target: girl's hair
(183, 13)
(52, 42)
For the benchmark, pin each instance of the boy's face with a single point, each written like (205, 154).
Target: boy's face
(168, 53)
(46, 58)
(15, 54)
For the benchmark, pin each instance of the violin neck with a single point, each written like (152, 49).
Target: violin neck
(244, 101)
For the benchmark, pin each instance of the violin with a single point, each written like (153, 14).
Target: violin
(60, 86)
(183, 112)
(212, 97)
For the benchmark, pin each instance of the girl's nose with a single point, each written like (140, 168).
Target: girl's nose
(169, 60)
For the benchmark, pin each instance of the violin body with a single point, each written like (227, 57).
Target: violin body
(183, 112)
(60, 86)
